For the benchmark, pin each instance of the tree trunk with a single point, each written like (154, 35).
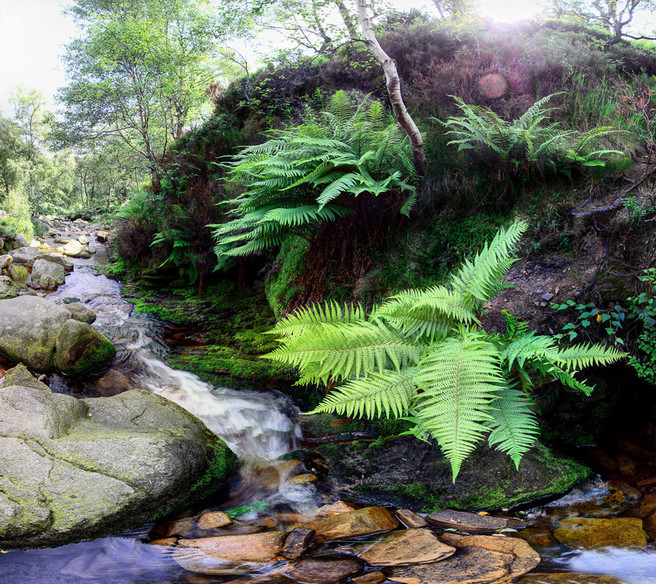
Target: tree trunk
(393, 87)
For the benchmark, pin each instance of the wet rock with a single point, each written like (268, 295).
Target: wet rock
(464, 521)
(479, 559)
(581, 532)
(79, 348)
(297, 543)
(410, 519)
(537, 537)
(366, 521)
(165, 541)
(213, 520)
(567, 578)
(405, 547)
(176, 528)
(80, 312)
(403, 472)
(626, 465)
(258, 547)
(75, 469)
(326, 569)
(334, 509)
(370, 578)
(47, 275)
(303, 479)
(112, 383)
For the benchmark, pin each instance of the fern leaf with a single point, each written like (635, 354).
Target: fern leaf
(514, 427)
(458, 383)
(307, 317)
(387, 394)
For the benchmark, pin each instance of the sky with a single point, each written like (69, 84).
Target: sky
(34, 32)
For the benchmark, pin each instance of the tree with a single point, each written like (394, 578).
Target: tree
(393, 82)
(139, 71)
(31, 116)
(13, 152)
(424, 354)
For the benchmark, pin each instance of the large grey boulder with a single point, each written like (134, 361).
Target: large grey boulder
(24, 254)
(42, 335)
(7, 288)
(75, 469)
(47, 275)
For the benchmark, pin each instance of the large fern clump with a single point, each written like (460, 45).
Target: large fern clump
(528, 144)
(306, 174)
(423, 354)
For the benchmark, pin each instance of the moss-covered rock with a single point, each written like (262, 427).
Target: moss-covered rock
(79, 348)
(405, 472)
(289, 263)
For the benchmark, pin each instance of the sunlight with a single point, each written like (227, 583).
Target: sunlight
(508, 10)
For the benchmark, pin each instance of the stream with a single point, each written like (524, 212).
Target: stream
(258, 427)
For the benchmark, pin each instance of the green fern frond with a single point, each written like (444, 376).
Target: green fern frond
(514, 427)
(307, 317)
(458, 383)
(386, 394)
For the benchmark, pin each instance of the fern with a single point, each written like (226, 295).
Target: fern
(422, 356)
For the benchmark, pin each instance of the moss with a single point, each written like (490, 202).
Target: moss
(288, 264)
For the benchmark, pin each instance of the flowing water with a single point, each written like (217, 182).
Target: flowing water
(259, 427)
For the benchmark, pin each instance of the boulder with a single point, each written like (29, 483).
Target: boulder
(102, 236)
(73, 249)
(83, 239)
(20, 375)
(56, 258)
(463, 521)
(80, 312)
(214, 519)
(80, 348)
(47, 275)
(41, 334)
(20, 241)
(256, 547)
(76, 469)
(8, 289)
(404, 472)
(112, 383)
(5, 261)
(366, 521)
(24, 255)
(583, 532)
(297, 543)
(18, 274)
(479, 559)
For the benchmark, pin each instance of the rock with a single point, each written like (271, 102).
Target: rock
(80, 312)
(567, 578)
(626, 465)
(297, 543)
(102, 236)
(20, 375)
(20, 240)
(370, 578)
(326, 569)
(57, 259)
(166, 541)
(257, 547)
(175, 528)
(73, 249)
(405, 547)
(537, 537)
(410, 519)
(366, 521)
(334, 509)
(213, 520)
(7, 288)
(581, 532)
(77, 469)
(303, 479)
(28, 329)
(79, 348)
(19, 274)
(47, 275)
(471, 521)
(83, 239)
(403, 472)
(479, 559)
(5, 261)
(24, 255)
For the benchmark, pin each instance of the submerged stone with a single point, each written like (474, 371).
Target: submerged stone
(583, 532)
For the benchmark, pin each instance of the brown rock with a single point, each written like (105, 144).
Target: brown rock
(370, 578)
(112, 383)
(334, 509)
(582, 532)
(297, 543)
(536, 537)
(167, 541)
(649, 523)
(303, 479)
(326, 569)
(410, 519)
(290, 521)
(179, 527)
(408, 546)
(636, 450)
(645, 508)
(479, 559)
(626, 465)
(257, 547)
(365, 521)
(195, 560)
(604, 460)
(567, 578)
(470, 521)
(214, 519)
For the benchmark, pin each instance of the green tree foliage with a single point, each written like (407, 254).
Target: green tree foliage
(307, 174)
(13, 153)
(528, 144)
(139, 71)
(424, 352)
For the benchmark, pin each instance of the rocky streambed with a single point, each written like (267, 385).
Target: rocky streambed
(332, 513)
